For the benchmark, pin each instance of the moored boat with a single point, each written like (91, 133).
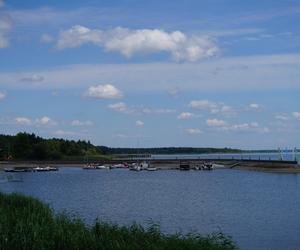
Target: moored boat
(207, 166)
(13, 170)
(135, 167)
(102, 167)
(41, 169)
(151, 168)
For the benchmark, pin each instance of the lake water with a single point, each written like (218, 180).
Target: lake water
(259, 210)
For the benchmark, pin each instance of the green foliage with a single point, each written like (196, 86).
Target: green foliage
(26, 146)
(26, 223)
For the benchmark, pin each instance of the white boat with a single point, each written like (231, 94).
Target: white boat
(217, 166)
(135, 167)
(144, 165)
(102, 167)
(41, 169)
(89, 166)
(118, 166)
(151, 168)
(207, 166)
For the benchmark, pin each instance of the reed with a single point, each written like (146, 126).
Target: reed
(27, 223)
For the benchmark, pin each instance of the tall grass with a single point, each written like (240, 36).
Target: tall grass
(27, 223)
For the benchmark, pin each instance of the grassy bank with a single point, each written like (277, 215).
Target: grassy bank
(27, 223)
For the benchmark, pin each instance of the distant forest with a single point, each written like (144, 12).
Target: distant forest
(25, 146)
(167, 150)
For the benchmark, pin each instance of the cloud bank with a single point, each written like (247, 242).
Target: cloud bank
(129, 42)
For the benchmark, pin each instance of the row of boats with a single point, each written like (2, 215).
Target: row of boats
(31, 169)
(203, 166)
(134, 166)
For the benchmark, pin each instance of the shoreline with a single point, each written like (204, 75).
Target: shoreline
(160, 166)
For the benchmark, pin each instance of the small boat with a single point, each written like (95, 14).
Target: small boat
(117, 166)
(144, 165)
(52, 168)
(184, 166)
(13, 170)
(207, 166)
(135, 167)
(151, 168)
(88, 167)
(218, 166)
(102, 167)
(41, 169)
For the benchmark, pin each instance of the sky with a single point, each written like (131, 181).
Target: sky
(128, 73)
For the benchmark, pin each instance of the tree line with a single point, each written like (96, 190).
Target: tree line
(26, 146)
(167, 150)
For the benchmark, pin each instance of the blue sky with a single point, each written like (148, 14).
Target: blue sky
(152, 73)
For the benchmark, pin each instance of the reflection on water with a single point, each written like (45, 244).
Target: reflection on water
(259, 210)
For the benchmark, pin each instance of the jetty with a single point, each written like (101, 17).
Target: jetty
(280, 166)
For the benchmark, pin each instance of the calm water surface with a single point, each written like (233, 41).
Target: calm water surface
(259, 210)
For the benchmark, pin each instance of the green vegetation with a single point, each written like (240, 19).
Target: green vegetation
(26, 223)
(24, 146)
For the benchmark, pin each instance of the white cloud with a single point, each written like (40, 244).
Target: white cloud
(45, 121)
(81, 123)
(240, 127)
(253, 126)
(64, 133)
(281, 117)
(32, 78)
(46, 38)
(212, 107)
(193, 131)
(2, 95)
(106, 91)
(160, 111)
(23, 121)
(255, 106)
(185, 115)
(296, 115)
(77, 36)
(5, 27)
(120, 107)
(141, 41)
(139, 123)
(226, 110)
(215, 123)
(203, 104)
(123, 108)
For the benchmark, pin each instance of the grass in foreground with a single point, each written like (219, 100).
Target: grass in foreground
(27, 223)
